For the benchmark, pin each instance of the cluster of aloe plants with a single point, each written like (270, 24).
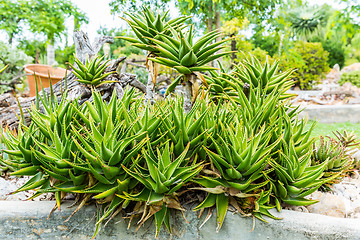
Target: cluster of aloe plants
(137, 157)
(169, 45)
(239, 143)
(338, 154)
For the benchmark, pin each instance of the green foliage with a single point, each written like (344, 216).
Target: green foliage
(65, 55)
(120, 47)
(310, 62)
(351, 77)
(92, 72)
(353, 50)
(337, 153)
(41, 16)
(33, 48)
(268, 43)
(246, 48)
(15, 59)
(336, 52)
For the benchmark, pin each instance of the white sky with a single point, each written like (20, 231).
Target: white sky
(98, 12)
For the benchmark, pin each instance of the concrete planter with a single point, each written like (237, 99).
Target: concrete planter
(28, 220)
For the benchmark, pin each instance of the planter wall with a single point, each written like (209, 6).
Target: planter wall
(332, 113)
(28, 220)
(42, 73)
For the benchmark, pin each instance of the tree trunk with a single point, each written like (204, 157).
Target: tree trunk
(233, 48)
(50, 54)
(9, 109)
(11, 37)
(210, 21)
(150, 90)
(218, 27)
(187, 92)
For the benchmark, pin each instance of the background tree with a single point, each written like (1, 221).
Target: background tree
(46, 17)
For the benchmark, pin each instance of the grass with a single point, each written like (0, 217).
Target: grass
(326, 129)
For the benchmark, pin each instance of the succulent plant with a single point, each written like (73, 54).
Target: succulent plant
(240, 158)
(247, 150)
(147, 25)
(162, 176)
(92, 72)
(180, 52)
(249, 73)
(168, 46)
(337, 154)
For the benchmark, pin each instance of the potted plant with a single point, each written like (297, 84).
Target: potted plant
(43, 73)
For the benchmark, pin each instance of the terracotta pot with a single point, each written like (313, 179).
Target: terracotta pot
(42, 73)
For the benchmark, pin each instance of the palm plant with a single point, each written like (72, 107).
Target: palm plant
(305, 22)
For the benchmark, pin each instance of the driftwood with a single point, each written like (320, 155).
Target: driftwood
(9, 109)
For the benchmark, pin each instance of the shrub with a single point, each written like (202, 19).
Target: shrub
(245, 48)
(353, 50)
(15, 59)
(351, 77)
(268, 43)
(336, 52)
(309, 61)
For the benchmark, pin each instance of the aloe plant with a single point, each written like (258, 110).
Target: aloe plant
(169, 46)
(161, 178)
(147, 26)
(92, 72)
(189, 58)
(337, 155)
(240, 157)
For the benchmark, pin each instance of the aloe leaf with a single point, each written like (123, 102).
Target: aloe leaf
(222, 203)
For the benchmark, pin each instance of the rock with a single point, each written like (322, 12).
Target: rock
(351, 192)
(352, 67)
(329, 204)
(334, 75)
(356, 205)
(7, 187)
